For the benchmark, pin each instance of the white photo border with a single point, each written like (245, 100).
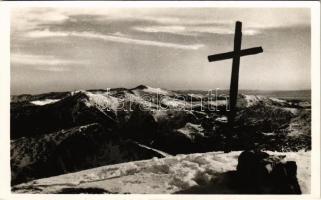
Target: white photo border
(5, 8)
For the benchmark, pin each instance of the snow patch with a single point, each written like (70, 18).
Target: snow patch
(72, 93)
(268, 134)
(156, 150)
(214, 103)
(252, 100)
(191, 130)
(144, 104)
(222, 119)
(44, 102)
(294, 111)
(277, 100)
(148, 89)
(156, 90)
(173, 103)
(198, 96)
(102, 101)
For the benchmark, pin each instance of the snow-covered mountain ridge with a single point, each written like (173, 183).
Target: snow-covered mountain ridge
(142, 123)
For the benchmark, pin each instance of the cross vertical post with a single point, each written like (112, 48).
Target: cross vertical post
(235, 55)
(235, 71)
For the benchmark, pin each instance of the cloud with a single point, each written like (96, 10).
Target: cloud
(112, 38)
(29, 18)
(52, 69)
(176, 21)
(185, 20)
(177, 30)
(193, 30)
(44, 62)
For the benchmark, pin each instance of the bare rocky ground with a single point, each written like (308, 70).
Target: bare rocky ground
(60, 133)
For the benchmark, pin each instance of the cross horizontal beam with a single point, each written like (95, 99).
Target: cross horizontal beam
(231, 54)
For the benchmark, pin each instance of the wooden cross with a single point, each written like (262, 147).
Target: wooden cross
(235, 55)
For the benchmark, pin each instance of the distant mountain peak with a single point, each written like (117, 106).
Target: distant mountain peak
(148, 89)
(141, 87)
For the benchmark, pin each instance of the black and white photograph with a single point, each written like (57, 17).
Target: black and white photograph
(161, 99)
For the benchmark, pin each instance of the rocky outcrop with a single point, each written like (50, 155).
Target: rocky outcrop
(260, 173)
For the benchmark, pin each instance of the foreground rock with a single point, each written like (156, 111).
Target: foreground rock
(206, 173)
(261, 173)
(71, 150)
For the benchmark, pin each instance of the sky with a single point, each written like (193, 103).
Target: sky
(63, 49)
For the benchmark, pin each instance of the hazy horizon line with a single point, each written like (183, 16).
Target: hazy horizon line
(203, 90)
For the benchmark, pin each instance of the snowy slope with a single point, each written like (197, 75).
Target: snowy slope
(102, 101)
(150, 90)
(192, 173)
